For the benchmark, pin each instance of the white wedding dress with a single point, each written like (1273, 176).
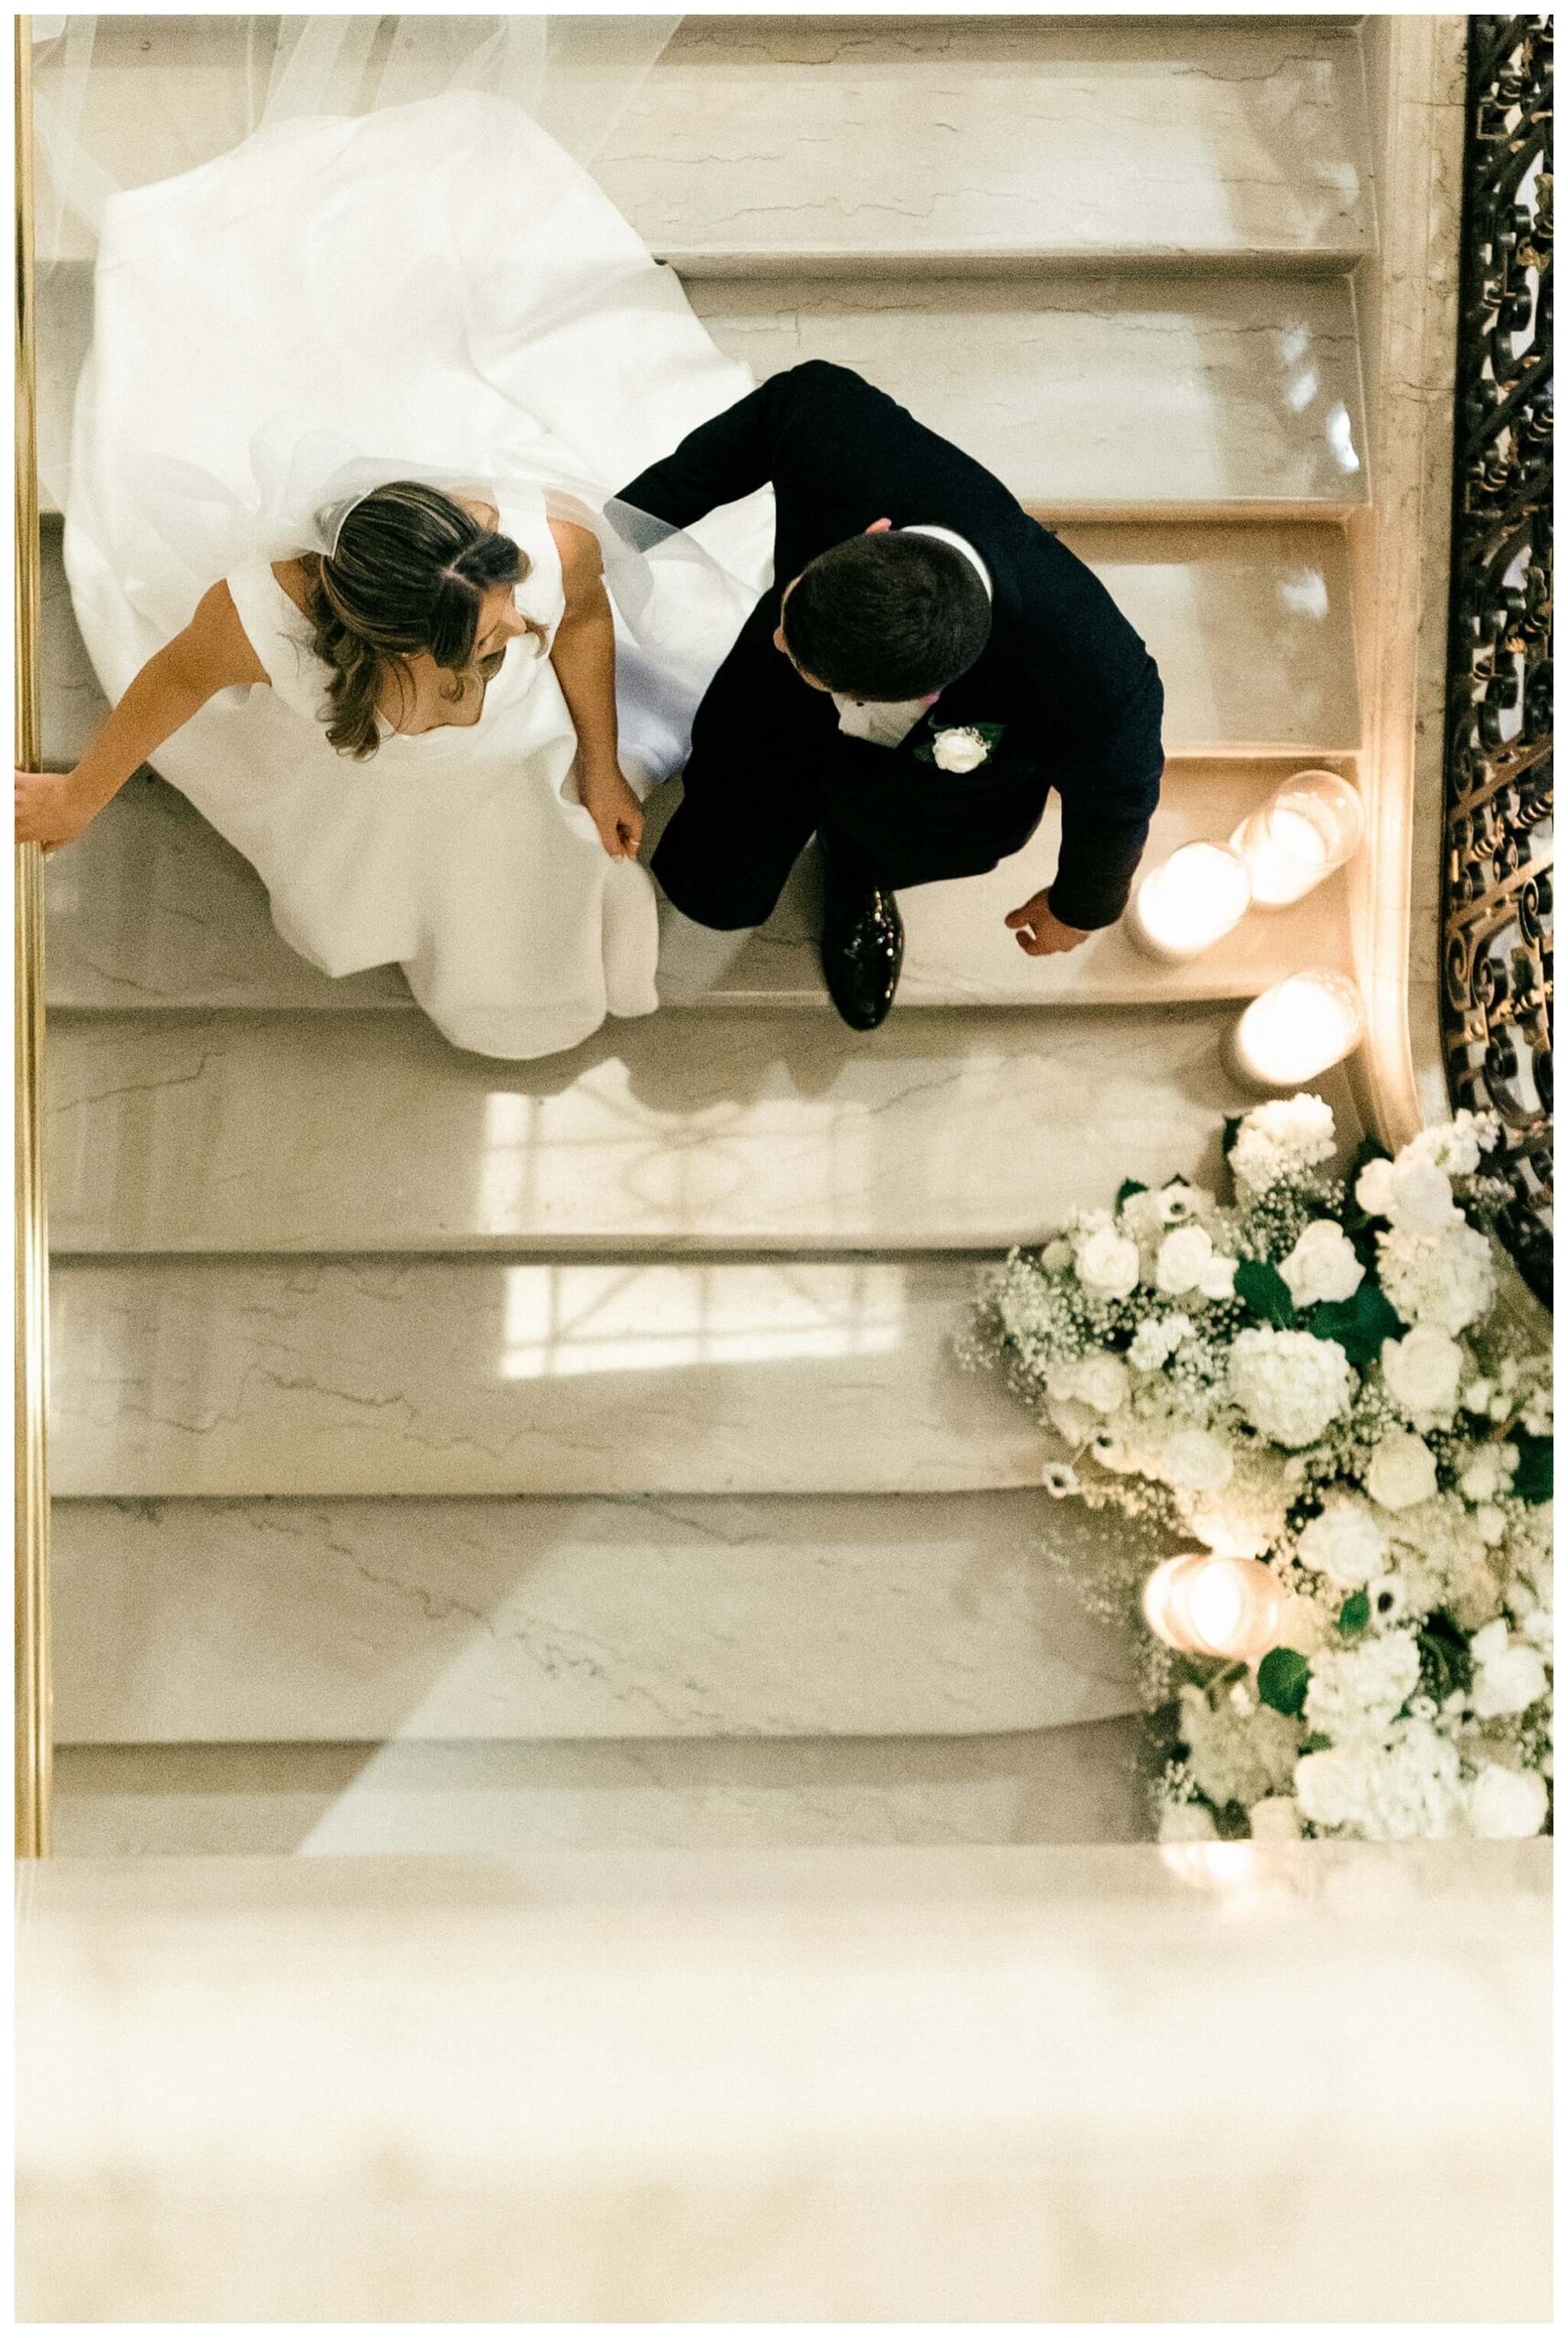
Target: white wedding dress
(438, 289)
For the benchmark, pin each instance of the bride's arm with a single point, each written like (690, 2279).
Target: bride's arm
(212, 654)
(583, 657)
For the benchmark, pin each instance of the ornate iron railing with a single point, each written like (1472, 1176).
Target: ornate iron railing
(1497, 876)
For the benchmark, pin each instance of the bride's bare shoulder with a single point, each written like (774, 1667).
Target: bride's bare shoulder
(215, 646)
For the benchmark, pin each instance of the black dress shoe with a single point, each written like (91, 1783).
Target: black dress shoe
(862, 943)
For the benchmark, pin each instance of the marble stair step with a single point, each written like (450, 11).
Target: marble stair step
(836, 144)
(1249, 622)
(841, 141)
(1088, 393)
(339, 1622)
(483, 1376)
(228, 1133)
(1079, 1783)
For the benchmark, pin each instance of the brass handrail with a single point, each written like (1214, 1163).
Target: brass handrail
(34, 1736)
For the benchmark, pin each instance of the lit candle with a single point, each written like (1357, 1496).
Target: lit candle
(1307, 828)
(1205, 1605)
(1296, 1030)
(1190, 900)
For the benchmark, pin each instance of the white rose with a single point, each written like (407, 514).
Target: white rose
(1288, 1384)
(1329, 1786)
(1346, 1544)
(1187, 1822)
(1422, 1373)
(1181, 1258)
(1196, 1460)
(1483, 1477)
(1402, 1471)
(1420, 1198)
(1323, 1264)
(1101, 1380)
(961, 750)
(1374, 1188)
(1275, 1819)
(1508, 1675)
(1507, 1806)
(1279, 1140)
(1218, 1279)
(1107, 1262)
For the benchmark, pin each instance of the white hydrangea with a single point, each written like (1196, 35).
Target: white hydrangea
(1183, 1256)
(1456, 1146)
(1404, 1790)
(1156, 1340)
(1281, 1139)
(1356, 1689)
(1447, 1280)
(1289, 1385)
(1345, 1542)
(1509, 1674)
(1422, 1373)
(1402, 1470)
(1322, 1266)
(1234, 1756)
(1507, 1806)
(1107, 1262)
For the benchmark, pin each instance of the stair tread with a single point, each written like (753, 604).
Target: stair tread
(357, 1622)
(1084, 392)
(680, 1132)
(863, 139)
(755, 137)
(477, 1376)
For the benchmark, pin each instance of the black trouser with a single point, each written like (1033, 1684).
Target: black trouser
(770, 769)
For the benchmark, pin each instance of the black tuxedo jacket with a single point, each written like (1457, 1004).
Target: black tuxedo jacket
(1063, 671)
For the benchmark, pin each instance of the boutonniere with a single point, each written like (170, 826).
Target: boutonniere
(964, 748)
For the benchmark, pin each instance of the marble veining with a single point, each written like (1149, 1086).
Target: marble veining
(445, 1375)
(643, 1617)
(756, 137)
(690, 1132)
(1092, 390)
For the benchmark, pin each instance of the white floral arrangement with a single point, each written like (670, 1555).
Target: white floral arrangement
(1319, 1375)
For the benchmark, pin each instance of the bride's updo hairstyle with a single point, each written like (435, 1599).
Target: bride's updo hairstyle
(409, 572)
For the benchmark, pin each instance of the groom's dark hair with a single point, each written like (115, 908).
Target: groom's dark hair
(887, 616)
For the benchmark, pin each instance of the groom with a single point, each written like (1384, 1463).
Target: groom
(928, 664)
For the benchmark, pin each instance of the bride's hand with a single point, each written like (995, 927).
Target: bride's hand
(48, 810)
(613, 807)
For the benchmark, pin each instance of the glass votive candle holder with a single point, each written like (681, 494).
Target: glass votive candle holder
(1298, 1029)
(1308, 828)
(1205, 1605)
(1190, 901)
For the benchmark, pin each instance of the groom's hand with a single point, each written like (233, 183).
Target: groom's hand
(1040, 933)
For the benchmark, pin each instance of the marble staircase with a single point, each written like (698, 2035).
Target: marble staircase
(510, 1446)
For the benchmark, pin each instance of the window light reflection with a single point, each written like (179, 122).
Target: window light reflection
(562, 1320)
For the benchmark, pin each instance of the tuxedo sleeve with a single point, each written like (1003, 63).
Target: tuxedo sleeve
(731, 457)
(1109, 790)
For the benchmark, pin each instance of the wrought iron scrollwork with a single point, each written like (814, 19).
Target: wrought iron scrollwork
(1497, 890)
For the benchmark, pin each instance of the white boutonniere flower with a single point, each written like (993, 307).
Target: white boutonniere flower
(962, 748)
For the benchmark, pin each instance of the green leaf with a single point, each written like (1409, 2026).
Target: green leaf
(1233, 1122)
(1282, 1679)
(1360, 1324)
(1354, 1615)
(1127, 1188)
(1532, 1478)
(1263, 1290)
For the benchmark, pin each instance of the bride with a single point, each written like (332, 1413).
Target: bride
(367, 374)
